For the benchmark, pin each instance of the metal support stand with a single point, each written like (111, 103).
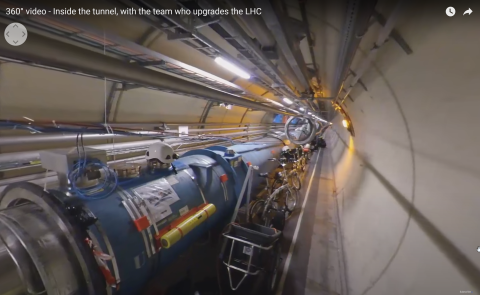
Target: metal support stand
(247, 182)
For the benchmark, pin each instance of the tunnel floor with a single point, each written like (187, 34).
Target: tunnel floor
(312, 252)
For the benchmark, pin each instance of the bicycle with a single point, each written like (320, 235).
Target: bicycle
(279, 205)
(291, 176)
(302, 159)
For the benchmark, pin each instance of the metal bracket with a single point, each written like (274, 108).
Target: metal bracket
(270, 53)
(359, 80)
(151, 63)
(179, 36)
(127, 87)
(395, 35)
(213, 21)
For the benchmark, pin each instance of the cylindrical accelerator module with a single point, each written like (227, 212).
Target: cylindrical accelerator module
(178, 232)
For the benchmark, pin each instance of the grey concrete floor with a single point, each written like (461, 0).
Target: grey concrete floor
(312, 251)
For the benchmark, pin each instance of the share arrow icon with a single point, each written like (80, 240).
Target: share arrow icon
(469, 11)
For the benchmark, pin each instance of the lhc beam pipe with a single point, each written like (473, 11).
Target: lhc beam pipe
(127, 225)
(15, 140)
(53, 53)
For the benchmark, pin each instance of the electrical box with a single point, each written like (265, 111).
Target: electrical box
(62, 160)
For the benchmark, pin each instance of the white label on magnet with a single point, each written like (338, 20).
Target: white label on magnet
(183, 210)
(158, 196)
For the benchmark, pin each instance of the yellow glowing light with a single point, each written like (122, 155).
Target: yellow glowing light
(345, 123)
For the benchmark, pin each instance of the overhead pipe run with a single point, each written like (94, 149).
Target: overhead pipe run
(253, 22)
(114, 148)
(192, 30)
(258, 27)
(274, 24)
(53, 53)
(152, 125)
(232, 27)
(381, 39)
(177, 21)
(303, 11)
(34, 139)
(356, 24)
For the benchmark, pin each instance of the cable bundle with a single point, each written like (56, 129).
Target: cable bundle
(107, 185)
(99, 191)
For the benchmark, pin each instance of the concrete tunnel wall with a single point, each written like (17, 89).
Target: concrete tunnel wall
(407, 184)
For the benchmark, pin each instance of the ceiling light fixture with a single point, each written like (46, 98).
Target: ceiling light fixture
(345, 123)
(232, 68)
(302, 110)
(287, 100)
(309, 113)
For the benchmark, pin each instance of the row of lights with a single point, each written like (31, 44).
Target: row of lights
(241, 73)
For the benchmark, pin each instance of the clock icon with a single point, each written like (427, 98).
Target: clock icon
(450, 11)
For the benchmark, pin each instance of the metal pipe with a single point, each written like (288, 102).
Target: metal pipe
(75, 25)
(381, 39)
(260, 30)
(254, 23)
(303, 11)
(275, 25)
(285, 66)
(185, 124)
(177, 21)
(34, 155)
(16, 140)
(54, 53)
(356, 25)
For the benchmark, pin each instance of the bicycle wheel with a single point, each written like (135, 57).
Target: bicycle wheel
(294, 181)
(291, 200)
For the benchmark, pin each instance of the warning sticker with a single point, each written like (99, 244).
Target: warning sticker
(158, 196)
